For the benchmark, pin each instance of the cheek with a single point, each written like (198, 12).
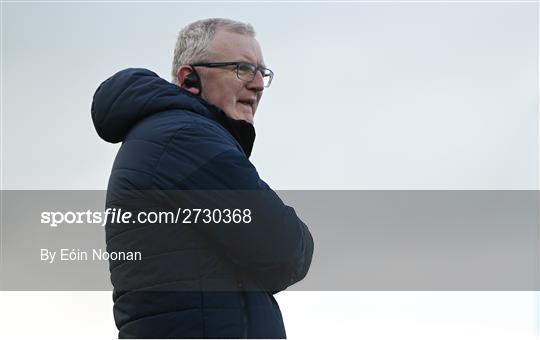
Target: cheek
(219, 96)
(229, 100)
(224, 93)
(233, 94)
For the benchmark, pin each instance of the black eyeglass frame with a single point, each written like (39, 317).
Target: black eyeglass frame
(264, 71)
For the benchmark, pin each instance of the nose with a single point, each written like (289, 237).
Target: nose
(257, 84)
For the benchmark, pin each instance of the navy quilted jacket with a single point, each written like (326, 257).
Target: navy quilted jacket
(172, 140)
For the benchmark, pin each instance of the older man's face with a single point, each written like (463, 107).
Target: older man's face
(220, 86)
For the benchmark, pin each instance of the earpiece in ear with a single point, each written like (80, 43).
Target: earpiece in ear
(192, 80)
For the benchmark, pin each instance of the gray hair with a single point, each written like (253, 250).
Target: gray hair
(194, 39)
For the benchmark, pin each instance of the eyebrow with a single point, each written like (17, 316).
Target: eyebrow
(249, 62)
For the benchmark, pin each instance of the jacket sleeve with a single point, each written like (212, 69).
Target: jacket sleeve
(276, 247)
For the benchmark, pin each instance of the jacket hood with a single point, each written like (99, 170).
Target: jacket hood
(133, 94)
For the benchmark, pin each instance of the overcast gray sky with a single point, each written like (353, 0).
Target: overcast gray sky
(366, 95)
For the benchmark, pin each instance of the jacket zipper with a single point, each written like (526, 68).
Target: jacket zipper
(244, 311)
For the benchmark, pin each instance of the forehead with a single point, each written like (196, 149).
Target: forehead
(230, 46)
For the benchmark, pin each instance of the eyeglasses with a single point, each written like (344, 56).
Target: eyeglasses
(244, 71)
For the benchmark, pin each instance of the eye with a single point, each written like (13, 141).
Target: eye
(246, 68)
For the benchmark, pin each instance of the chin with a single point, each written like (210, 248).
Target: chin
(247, 116)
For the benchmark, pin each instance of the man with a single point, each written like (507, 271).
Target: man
(199, 280)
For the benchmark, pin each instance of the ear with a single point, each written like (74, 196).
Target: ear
(183, 72)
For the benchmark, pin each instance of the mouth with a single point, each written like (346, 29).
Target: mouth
(248, 103)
